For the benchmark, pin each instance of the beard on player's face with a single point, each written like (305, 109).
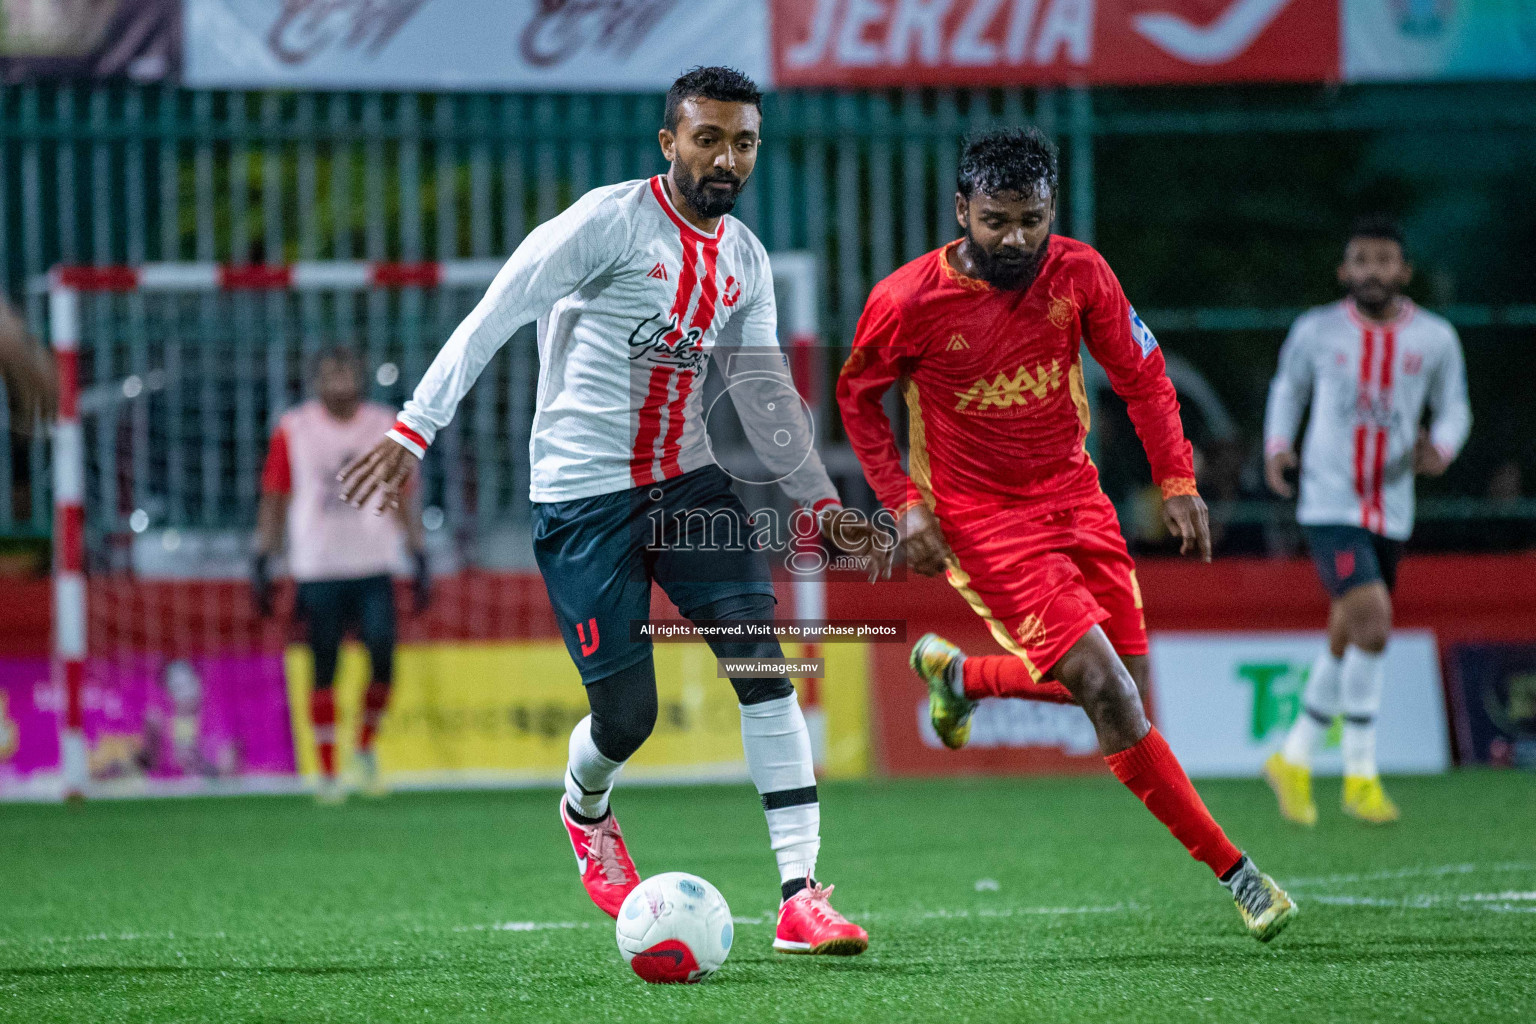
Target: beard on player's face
(1372, 294)
(704, 194)
(1005, 266)
(1374, 273)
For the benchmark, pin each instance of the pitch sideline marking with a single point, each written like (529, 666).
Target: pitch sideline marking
(1505, 902)
(522, 926)
(1435, 871)
(990, 912)
(110, 937)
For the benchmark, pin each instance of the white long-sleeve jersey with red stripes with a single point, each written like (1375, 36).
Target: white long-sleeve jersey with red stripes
(1368, 383)
(631, 302)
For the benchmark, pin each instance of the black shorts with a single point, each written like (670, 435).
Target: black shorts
(334, 606)
(599, 556)
(1351, 556)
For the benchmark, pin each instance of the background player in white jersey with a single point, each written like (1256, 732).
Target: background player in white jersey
(1368, 366)
(342, 558)
(634, 288)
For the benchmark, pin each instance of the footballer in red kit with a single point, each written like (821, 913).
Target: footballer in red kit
(1001, 496)
(994, 390)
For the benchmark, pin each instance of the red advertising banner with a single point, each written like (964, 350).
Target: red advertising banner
(880, 43)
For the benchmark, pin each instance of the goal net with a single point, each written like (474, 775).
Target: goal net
(165, 678)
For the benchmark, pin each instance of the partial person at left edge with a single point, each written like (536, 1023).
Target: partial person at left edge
(342, 558)
(26, 368)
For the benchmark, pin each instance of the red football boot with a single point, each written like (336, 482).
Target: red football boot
(808, 924)
(604, 863)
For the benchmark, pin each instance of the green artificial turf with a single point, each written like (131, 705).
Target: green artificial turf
(1038, 900)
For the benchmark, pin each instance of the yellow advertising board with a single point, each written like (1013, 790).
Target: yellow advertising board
(497, 713)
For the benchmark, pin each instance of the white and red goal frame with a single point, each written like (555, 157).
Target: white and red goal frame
(65, 287)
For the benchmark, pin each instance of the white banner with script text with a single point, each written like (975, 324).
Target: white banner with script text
(519, 45)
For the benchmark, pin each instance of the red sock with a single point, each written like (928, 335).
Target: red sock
(1003, 675)
(375, 700)
(322, 715)
(1150, 770)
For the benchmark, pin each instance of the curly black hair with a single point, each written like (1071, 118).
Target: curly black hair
(1018, 160)
(715, 83)
(1376, 225)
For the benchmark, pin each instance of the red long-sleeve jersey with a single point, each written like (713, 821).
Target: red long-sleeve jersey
(994, 386)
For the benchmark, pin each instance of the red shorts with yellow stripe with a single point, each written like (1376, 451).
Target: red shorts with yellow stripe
(1043, 581)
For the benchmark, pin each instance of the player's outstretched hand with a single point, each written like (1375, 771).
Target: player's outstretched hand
(383, 471)
(1186, 518)
(261, 585)
(1275, 467)
(1427, 460)
(920, 532)
(421, 583)
(854, 534)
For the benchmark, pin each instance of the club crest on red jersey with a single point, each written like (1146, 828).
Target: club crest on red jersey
(1060, 312)
(1031, 632)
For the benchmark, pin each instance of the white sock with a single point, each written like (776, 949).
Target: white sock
(1319, 704)
(778, 749)
(954, 675)
(588, 774)
(1361, 686)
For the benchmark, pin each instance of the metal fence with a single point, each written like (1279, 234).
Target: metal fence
(129, 174)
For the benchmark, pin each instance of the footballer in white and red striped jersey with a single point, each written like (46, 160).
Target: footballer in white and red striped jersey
(636, 288)
(1368, 366)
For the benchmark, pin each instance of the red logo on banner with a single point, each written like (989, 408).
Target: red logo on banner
(1088, 42)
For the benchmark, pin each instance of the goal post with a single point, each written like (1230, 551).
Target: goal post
(171, 377)
(69, 600)
(87, 384)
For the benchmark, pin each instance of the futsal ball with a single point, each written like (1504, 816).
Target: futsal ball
(675, 927)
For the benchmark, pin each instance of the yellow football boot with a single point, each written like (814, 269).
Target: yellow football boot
(1266, 908)
(329, 791)
(1292, 784)
(950, 713)
(1365, 800)
(366, 778)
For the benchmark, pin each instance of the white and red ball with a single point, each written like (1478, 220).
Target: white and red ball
(675, 927)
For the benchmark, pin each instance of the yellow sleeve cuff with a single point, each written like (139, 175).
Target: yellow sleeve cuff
(1176, 486)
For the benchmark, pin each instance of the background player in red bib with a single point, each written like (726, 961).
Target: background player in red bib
(342, 558)
(984, 335)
